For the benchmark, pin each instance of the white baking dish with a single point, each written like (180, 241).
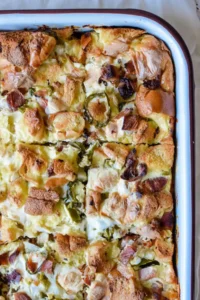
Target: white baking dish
(184, 164)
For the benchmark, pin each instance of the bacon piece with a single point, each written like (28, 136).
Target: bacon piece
(126, 254)
(152, 185)
(133, 170)
(14, 276)
(131, 122)
(125, 88)
(4, 259)
(130, 68)
(47, 266)
(15, 99)
(152, 84)
(111, 73)
(13, 256)
(167, 220)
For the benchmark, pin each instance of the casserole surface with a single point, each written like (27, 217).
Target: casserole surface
(103, 159)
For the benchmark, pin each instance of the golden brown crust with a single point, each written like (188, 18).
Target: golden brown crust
(41, 45)
(66, 244)
(158, 157)
(158, 101)
(97, 257)
(122, 288)
(93, 202)
(36, 207)
(62, 243)
(42, 194)
(68, 125)
(34, 121)
(18, 191)
(149, 207)
(97, 110)
(64, 33)
(164, 250)
(77, 243)
(118, 153)
(23, 48)
(55, 181)
(165, 200)
(32, 163)
(123, 34)
(14, 47)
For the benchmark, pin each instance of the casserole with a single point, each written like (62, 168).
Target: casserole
(184, 170)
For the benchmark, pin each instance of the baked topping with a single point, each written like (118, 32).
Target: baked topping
(86, 157)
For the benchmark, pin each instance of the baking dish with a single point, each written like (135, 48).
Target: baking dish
(184, 164)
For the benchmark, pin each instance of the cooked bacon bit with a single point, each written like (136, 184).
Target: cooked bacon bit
(47, 266)
(147, 273)
(37, 207)
(15, 99)
(77, 243)
(111, 73)
(14, 276)
(21, 296)
(43, 194)
(31, 265)
(85, 40)
(167, 220)
(50, 170)
(152, 84)
(133, 170)
(126, 254)
(152, 185)
(4, 259)
(130, 67)
(13, 256)
(125, 88)
(131, 122)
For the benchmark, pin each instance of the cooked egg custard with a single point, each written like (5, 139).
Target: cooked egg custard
(86, 157)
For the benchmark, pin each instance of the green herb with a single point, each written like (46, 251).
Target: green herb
(145, 263)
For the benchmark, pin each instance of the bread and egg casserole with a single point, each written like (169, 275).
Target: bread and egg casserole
(86, 158)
